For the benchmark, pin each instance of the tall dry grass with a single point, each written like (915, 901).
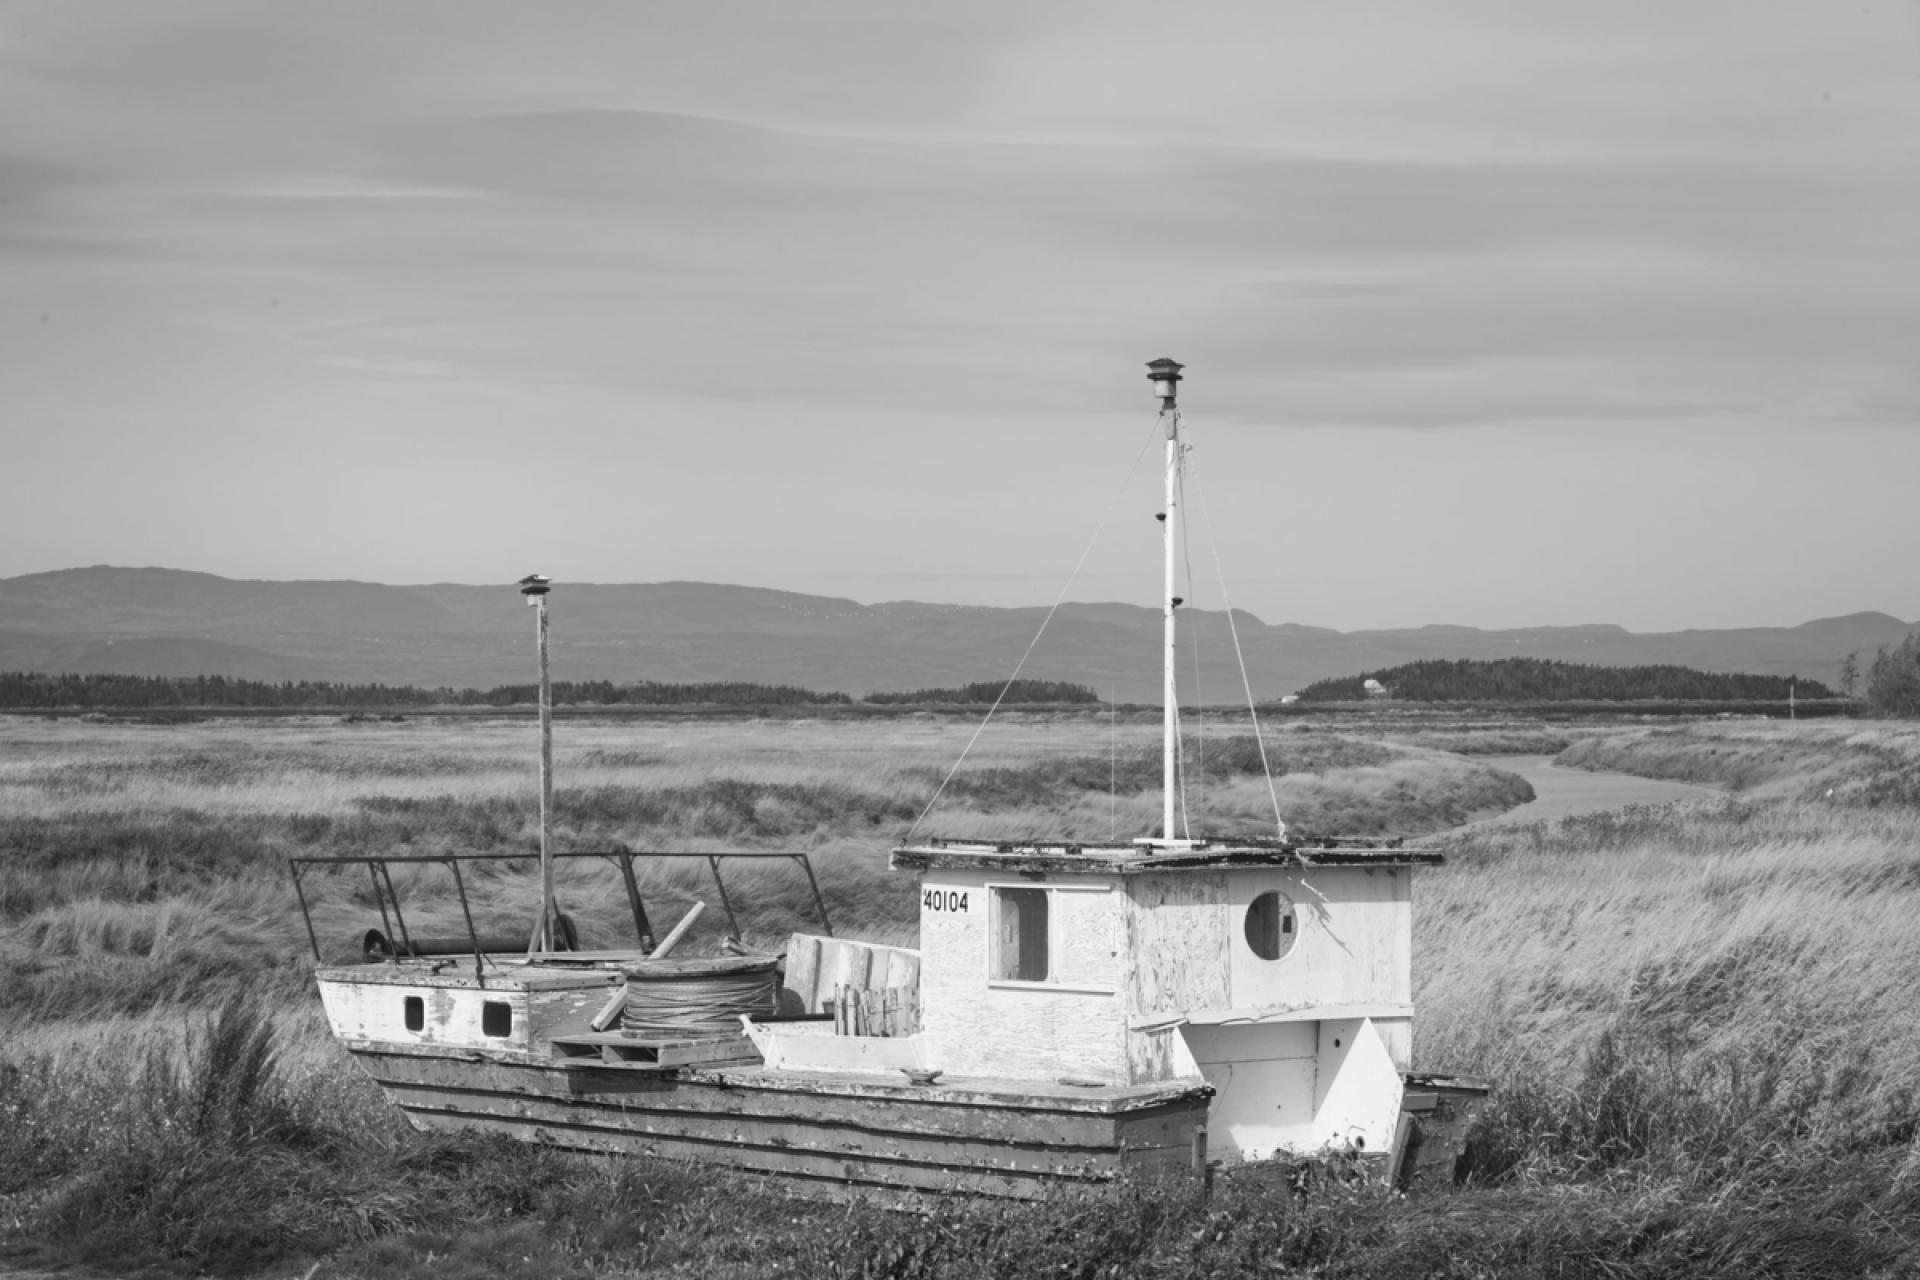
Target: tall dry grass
(142, 864)
(1699, 1018)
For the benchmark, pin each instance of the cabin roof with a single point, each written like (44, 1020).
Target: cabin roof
(1136, 859)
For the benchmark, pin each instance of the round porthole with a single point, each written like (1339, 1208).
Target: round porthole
(1271, 925)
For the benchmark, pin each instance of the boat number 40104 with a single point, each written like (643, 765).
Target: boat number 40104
(944, 900)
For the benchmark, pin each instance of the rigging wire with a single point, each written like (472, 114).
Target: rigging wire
(1065, 587)
(1233, 629)
(1113, 761)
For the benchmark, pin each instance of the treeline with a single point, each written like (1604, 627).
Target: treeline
(1893, 679)
(986, 693)
(1543, 680)
(34, 691)
(652, 693)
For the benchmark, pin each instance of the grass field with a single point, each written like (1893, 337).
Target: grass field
(1700, 1019)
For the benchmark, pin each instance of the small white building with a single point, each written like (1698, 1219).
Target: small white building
(1279, 972)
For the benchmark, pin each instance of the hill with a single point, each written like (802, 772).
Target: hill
(168, 622)
(1538, 680)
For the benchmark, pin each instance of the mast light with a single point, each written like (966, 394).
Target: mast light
(1164, 373)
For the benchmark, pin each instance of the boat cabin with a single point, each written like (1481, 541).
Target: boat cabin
(1260, 988)
(1278, 971)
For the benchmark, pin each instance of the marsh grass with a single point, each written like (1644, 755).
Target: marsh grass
(1698, 1018)
(144, 863)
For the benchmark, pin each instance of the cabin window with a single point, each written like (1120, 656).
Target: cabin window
(496, 1018)
(1271, 925)
(1020, 935)
(415, 1012)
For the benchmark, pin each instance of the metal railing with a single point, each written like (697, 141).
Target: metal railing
(387, 898)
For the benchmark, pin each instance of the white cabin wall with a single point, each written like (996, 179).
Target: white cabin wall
(1355, 938)
(1264, 1079)
(1073, 1026)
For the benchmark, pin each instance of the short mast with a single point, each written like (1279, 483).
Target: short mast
(1165, 376)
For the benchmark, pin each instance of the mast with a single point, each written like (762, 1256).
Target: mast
(1165, 376)
(535, 587)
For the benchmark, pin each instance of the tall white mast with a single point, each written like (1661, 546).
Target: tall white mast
(1165, 376)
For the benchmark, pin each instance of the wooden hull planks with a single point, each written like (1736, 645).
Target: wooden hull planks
(831, 1131)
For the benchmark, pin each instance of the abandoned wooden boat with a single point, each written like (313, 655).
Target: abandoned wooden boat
(1073, 1009)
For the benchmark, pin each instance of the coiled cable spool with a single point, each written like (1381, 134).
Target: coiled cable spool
(697, 997)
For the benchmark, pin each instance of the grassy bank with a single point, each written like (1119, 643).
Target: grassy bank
(1848, 761)
(1698, 1019)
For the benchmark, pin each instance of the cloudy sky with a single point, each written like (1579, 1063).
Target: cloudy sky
(1496, 314)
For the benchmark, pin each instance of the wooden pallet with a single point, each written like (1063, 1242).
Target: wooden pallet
(651, 1053)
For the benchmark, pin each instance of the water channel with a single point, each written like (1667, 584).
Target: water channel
(1563, 793)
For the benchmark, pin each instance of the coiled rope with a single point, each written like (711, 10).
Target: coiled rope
(682, 997)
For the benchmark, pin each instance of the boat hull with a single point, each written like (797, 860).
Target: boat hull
(833, 1133)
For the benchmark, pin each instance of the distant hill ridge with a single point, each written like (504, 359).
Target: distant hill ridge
(171, 622)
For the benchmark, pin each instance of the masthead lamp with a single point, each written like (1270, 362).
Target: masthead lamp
(535, 585)
(1165, 376)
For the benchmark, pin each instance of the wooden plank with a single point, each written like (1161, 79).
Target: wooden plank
(1179, 943)
(803, 971)
(627, 1039)
(1083, 860)
(845, 964)
(1170, 1128)
(618, 1050)
(915, 1111)
(703, 1137)
(619, 1064)
(1331, 1011)
(1405, 1144)
(842, 1174)
(903, 968)
(502, 974)
(727, 1049)
(1151, 1055)
(956, 1091)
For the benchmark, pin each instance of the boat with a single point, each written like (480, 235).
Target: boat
(1073, 1010)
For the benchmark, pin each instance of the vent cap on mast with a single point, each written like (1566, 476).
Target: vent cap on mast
(1164, 373)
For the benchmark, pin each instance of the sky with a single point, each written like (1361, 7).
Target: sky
(1495, 314)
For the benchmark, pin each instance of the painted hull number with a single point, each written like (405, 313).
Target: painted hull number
(944, 900)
